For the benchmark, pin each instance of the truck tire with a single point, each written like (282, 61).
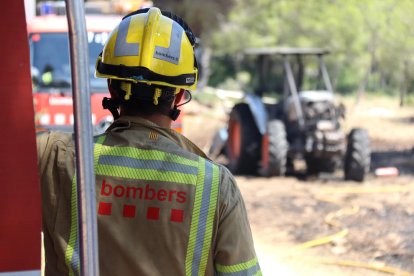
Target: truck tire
(243, 144)
(274, 150)
(358, 155)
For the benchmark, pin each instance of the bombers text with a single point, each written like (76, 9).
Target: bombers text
(146, 193)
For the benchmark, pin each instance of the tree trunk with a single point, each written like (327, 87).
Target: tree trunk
(363, 86)
(404, 84)
(205, 67)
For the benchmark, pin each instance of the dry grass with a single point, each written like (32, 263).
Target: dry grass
(389, 126)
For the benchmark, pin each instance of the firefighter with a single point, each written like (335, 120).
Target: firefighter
(163, 207)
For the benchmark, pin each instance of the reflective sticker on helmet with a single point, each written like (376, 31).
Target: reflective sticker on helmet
(172, 53)
(122, 47)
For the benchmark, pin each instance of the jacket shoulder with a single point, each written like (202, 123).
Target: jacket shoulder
(52, 141)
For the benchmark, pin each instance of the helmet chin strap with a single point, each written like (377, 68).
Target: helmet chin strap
(112, 105)
(175, 112)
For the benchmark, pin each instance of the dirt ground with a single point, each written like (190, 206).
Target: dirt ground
(324, 225)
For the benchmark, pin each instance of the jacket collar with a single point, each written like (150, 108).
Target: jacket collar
(131, 122)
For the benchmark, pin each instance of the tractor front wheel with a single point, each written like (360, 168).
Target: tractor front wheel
(358, 155)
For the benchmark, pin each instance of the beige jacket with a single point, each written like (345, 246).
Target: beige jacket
(145, 226)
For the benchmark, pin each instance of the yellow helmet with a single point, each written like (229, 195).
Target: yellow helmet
(152, 47)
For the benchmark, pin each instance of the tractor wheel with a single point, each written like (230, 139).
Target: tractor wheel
(315, 165)
(274, 150)
(358, 155)
(243, 144)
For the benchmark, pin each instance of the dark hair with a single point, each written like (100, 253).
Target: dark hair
(141, 101)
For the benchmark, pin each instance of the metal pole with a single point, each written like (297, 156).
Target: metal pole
(294, 92)
(87, 221)
(325, 75)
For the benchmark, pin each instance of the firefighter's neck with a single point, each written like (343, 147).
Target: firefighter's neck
(158, 119)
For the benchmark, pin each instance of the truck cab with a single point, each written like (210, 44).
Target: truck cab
(51, 72)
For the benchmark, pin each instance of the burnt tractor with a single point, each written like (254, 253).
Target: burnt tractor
(265, 138)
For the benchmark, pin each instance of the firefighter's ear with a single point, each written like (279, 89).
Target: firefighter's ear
(178, 97)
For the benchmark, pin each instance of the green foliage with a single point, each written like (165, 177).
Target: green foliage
(222, 68)
(239, 83)
(204, 17)
(205, 98)
(372, 40)
(410, 100)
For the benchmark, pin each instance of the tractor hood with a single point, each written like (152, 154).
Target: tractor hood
(316, 96)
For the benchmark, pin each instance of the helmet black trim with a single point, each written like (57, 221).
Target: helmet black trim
(140, 73)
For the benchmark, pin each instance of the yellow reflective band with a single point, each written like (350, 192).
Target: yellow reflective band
(202, 219)
(145, 174)
(194, 218)
(243, 269)
(144, 164)
(97, 150)
(72, 250)
(210, 220)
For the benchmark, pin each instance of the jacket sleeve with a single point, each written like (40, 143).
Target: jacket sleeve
(234, 251)
(53, 152)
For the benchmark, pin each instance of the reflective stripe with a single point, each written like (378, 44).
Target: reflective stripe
(72, 257)
(149, 154)
(72, 250)
(248, 268)
(145, 174)
(173, 52)
(75, 262)
(122, 46)
(97, 149)
(144, 164)
(212, 203)
(202, 219)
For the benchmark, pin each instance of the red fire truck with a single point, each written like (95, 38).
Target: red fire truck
(51, 72)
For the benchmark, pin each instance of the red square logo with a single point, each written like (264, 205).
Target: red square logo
(105, 208)
(177, 215)
(129, 211)
(153, 213)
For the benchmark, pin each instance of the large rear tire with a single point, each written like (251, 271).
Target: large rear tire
(358, 155)
(243, 144)
(274, 150)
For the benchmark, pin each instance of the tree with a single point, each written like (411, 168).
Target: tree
(371, 40)
(205, 18)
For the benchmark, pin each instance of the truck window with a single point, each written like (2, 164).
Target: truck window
(50, 63)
